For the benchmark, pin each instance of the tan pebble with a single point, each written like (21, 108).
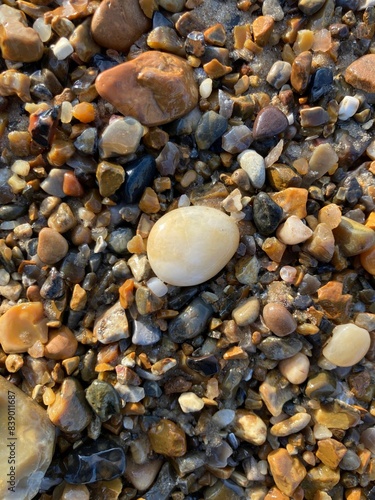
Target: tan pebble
(141, 476)
(367, 259)
(278, 319)
(110, 177)
(330, 452)
(71, 364)
(190, 402)
(323, 478)
(52, 246)
(13, 363)
(111, 325)
(292, 201)
(167, 438)
(304, 41)
(62, 220)
(274, 248)
(22, 326)
(301, 68)
(79, 298)
(330, 215)
(14, 82)
(149, 203)
(275, 494)
(247, 312)
(61, 344)
(288, 472)
(353, 237)
(296, 368)
(360, 74)
(322, 160)
(336, 416)
(321, 245)
(262, 29)
(249, 427)
(347, 346)
(291, 425)
(155, 88)
(293, 231)
(181, 235)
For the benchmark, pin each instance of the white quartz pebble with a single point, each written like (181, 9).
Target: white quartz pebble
(348, 107)
(293, 231)
(296, 368)
(44, 30)
(62, 49)
(348, 345)
(189, 245)
(157, 287)
(205, 88)
(190, 402)
(254, 165)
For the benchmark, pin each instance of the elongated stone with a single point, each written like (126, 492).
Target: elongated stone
(27, 441)
(191, 244)
(352, 237)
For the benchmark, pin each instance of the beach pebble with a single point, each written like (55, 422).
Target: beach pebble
(247, 312)
(360, 74)
(296, 368)
(291, 425)
(270, 121)
(347, 345)
(348, 107)
(249, 427)
(287, 471)
(278, 319)
(52, 246)
(167, 438)
(120, 137)
(190, 245)
(254, 165)
(279, 73)
(112, 325)
(293, 231)
(190, 402)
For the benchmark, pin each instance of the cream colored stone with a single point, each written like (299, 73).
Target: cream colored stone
(293, 231)
(322, 160)
(191, 244)
(296, 368)
(348, 345)
(249, 427)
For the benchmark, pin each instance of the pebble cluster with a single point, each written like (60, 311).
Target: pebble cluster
(187, 249)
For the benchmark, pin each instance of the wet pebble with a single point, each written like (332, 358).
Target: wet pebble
(87, 141)
(280, 348)
(352, 237)
(310, 7)
(191, 321)
(121, 137)
(348, 107)
(278, 319)
(270, 121)
(293, 231)
(61, 344)
(321, 385)
(103, 399)
(247, 312)
(301, 69)
(110, 177)
(139, 174)
(145, 332)
(118, 240)
(205, 365)
(330, 452)
(279, 73)
(291, 425)
(287, 471)
(267, 214)
(322, 82)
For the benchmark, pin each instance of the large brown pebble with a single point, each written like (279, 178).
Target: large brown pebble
(117, 24)
(52, 246)
(301, 69)
(270, 121)
(287, 472)
(360, 74)
(61, 344)
(167, 438)
(278, 319)
(155, 88)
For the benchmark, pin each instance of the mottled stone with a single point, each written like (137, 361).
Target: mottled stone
(321, 385)
(322, 160)
(103, 399)
(267, 214)
(246, 312)
(145, 331)
(292, 200)
(321, 245)
(247, 270)
(291, 425)
(279, 73)
(110, 177)
(360, 74)
(313, 117)
(262, 29)
(249, 427)
(322, 84)
(296, 368)
(52, 246)
(287, 472)
(254, 165)
(210, 128)
(155, 88)
(167, 438)
(121, 137)
(337, 415)
(321, 478)
(275, 391)
(280, 348)
(278, 319)
(301, 69)
(112, 325)
(237, 139)
(309, 7)
(117, 24)
(352, 237)
(191, 321)
(330, 452)
(270, 121)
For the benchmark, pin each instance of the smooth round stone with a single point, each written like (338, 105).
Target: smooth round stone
(296, 368)
(52, 246)
(155, 87)
(347, 346)
(254, 165)
(190, 402)
(121, 137)
(278, 319)
(224, 417)
(247, 312)
(360, 74)
(267, 214)
(190, 245)
(322, 160)
(117, 24)
(293, 231)
(279, 73)
(291, 425)
(269, 122)
(249, 427)
(301, 69)
(191, 322)
(348, 107)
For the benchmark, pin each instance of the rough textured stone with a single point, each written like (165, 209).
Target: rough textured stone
(360, 74)
(288, 472)
(112, 325)
(167, 438)
(117, 24)
(154, 88)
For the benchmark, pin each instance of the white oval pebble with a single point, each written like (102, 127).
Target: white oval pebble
(296, 368)
(254, 165)
(293, 231)
(44, 30)
(348, 107)
(205, 88)
(62, 49)
(157, 287)
(189, 245)
(190, 402)
(348, 345)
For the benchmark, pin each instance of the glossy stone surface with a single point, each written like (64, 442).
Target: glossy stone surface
(25, 452)
(155, 88)
(191, 321)
(267, 214)
(139, 174)
(191, 244)
(100, 460)
(270, 121)
(347, 346)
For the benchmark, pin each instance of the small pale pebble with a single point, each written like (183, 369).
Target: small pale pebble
(66, 112)
(323, 159)
(249, 427)
(254, 165)
(190, 402)
(157, 287)
(247, 312)
(321, 431)
(273, 8)
(291, 425)
(296, 368)
(121, 137)
(183, 201)
(288, 274)
(62, 49)
(348, 345)
(330, 215)
(4, 277)
(348, 107)
(21, 167)
(293, 231)
(279, 74)
(44, 30)
(205, 88)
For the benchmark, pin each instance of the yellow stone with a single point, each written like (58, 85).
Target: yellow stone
(167, 438)
(330, 452)
(288, 472)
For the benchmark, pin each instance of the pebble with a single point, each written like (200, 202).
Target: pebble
(352, 237)
(139, 174)
(155, 88)
(347, 346)
(110, 177)
(367, 259)
(61, 344)
(360, 73)
(223, 418)
(293, 231)
(321, 385)
(322, 84)
(287, 471)
(262, 28)
(291, 425)
(22, 326)
(330, 452)
(34, 445)
(247, 312)
(53, 184)
(181, 235)
(270, 121)
(52, 246)
(301, 69)
(191, 322)
(275, 392)
(368, 439)
(330, 215)
(348, 107)
(145, 332)
(210, 127)
(267, 214)
(313, 117)
(273, 8)
(280, 348)
(278, 319)
(62, 49)
(141, 476)
(322, 478)
(205, 365)
(119, 239)
(70, 411)
(253, 164)
(87, 141)
(205, 88)
(350, 461)
(237, 139)
(190, 402)
(279, 73)
(117, 25)
(310, 7)
(296, 368)
(322, 160)
(103, 399)
(321, 245)
(111, 325)
(167, 438)
(62, 219)
(92, 461)
(249, 427)
(121, 137)
(292, 200)
(247, 270)
(168, 159)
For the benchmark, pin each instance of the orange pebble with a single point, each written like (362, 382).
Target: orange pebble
(84, 112)
(71, 185)
(367, 259)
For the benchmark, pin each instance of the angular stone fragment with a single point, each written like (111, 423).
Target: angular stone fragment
(352, 237)
(288, 472)
(210, 128)
(167, 438)
(275, 391)
(321, 245)
(155, 88)
(262, 29)
(331, 452)
(120, 137)
(112, 325)
(360, 74)
(249, 427)
(117, 24)
(27, 442)
(301, 69)
(110, 177)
